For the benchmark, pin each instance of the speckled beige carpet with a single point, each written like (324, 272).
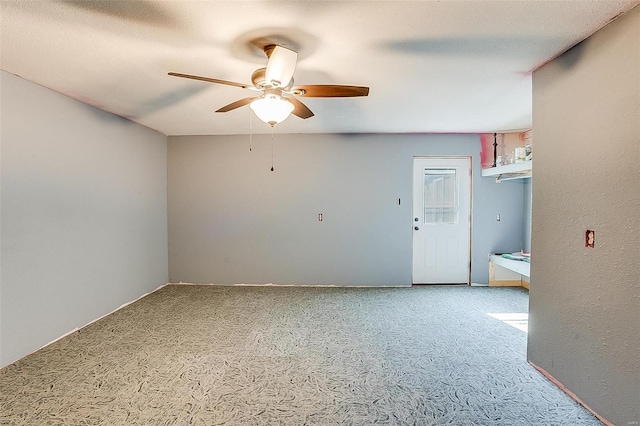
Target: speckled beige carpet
(204, 355)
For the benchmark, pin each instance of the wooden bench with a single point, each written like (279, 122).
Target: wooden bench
(508, 272)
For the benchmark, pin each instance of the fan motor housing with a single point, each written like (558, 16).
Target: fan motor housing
(259, 81)
(258, 77)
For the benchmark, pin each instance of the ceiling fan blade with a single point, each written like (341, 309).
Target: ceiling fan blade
(236, 104)
(281, 65)
(300, 109)
(329, 91)
(211, 80)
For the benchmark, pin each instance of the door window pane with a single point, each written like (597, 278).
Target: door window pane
(440, 198)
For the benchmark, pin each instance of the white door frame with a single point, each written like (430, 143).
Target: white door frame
(453, 157)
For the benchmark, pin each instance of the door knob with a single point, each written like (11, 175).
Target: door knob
(415, 219)
(416, 228)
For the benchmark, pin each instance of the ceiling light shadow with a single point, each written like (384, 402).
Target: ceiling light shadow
(509, 47)
(166, 100)
(140, 11)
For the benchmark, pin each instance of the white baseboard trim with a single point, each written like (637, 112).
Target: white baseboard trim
(295, 285)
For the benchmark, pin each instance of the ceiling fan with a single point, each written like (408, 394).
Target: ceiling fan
(277, 96)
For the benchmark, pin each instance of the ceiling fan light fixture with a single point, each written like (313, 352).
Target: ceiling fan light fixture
(276, 80)
(272, 109)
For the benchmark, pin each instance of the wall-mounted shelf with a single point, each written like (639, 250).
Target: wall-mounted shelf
(510, 171)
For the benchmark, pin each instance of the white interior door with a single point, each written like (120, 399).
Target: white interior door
(441, 220)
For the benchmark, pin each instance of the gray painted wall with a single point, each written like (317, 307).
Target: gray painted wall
(231, 220)
(584, 326)
(83, 220)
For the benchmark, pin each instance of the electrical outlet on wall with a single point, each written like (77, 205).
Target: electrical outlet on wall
(590, 238)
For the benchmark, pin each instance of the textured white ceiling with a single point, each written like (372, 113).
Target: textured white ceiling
(432, 66)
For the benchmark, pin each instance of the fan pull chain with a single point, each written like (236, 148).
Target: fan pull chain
(272, 149)
(250, 131)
